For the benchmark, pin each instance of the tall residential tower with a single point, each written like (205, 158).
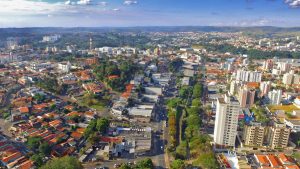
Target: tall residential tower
(226, 122)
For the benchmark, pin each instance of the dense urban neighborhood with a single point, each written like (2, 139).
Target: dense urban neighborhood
(177, 98)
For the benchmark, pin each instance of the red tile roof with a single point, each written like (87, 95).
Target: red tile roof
(24, 109)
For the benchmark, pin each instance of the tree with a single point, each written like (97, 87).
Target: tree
(45, 148)
(184, 92)
(175, 64)
(145, 164)
(102, 125)
(196, 103)
(33, 142)
(90, 128)
(66, 162)
(207, 160)
(39, 97)
(181, 150)
(178, 164)
(37, 159)
(173, 103)
(125, 166)
(197, 91)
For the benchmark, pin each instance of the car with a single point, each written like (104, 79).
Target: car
(117, 165)
(102, 167)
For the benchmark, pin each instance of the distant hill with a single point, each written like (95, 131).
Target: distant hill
(49, 30)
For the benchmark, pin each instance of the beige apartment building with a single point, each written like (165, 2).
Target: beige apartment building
(278, 136)
(254, 134)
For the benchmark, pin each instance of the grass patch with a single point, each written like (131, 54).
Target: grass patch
(296, 156)
(286, 108)
(92, 102)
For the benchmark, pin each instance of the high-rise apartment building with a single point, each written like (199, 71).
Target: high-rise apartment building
(296, 79)
(278, 136)
(246, 97)
(248, 76)
(234, 85)
(226, 122)
(284, 66)
(268, 65)
(275, 97)
(288, 79)
(254, 134)
(264, 88)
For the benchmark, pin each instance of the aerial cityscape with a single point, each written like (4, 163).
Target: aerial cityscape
(160, 84)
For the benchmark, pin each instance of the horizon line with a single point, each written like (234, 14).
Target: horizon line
(266, 26)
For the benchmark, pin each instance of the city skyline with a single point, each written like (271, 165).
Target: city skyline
(127, 13)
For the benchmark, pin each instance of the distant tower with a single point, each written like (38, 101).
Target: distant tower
(91, 42)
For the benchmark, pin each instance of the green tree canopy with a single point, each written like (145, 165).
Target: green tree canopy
(66, 162)
(45, 148)
(33, 142)
(102, 125)
(178, 164)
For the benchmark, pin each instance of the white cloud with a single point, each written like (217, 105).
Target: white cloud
(293, 3)
(103, 3)
(84, 2)
(28, 7)
(116, 9)
(68, 2)
(130, 2)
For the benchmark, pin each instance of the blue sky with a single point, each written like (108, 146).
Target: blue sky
(98, 13)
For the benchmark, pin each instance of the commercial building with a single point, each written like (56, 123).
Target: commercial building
(226, 122)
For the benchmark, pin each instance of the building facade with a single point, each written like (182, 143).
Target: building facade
(275, 97)
(254, 134)
(278, 136)
(226, 122)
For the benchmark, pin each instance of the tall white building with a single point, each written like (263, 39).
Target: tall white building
(296, 79)
(234, 87)
(248, 76)
(264, 88)
(284, 66)
(275, 97)
(226, 122)
(51, 38)
(287, 79)
(64, 67)
(268, 65)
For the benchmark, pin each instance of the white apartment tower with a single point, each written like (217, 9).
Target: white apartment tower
(248, 76)
(284, 66)
(275, 97)
(226, 122)
(287, 79)
(268, 65)
(264, 88)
